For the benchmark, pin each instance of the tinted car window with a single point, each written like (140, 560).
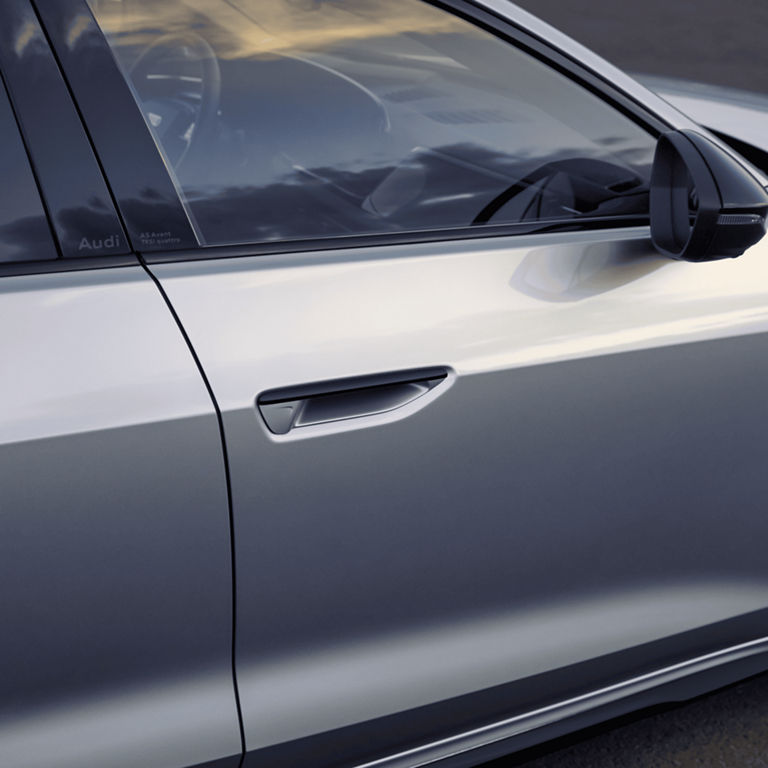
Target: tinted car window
(286, 119)
(24, 231)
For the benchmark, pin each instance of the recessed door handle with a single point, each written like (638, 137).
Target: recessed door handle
(294, 407)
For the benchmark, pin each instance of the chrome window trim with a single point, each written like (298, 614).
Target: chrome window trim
(624, 227)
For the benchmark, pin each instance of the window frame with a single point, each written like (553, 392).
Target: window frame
(118, 131)
(61, 156)
(18, 150)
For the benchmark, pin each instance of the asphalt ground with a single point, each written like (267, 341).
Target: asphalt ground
(722, 42)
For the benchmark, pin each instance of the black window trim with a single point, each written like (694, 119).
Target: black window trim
(5, 97)
(59, 15)
(115, 124)
(561, 61)
(55, 266)
(53, 134)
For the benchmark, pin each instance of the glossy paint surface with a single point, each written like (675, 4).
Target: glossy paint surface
(476, 746)
(114, 537)
(571, 483)
(580, 294)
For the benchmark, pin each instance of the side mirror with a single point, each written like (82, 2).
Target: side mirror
(704, 204)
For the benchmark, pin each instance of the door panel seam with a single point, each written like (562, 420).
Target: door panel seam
(230, 508)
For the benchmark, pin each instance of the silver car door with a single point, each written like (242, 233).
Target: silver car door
(114, 543)
(472, 476)
(115, 567)
(584, 481)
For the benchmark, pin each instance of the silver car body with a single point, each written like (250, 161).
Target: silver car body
(582, 493)
(541, 509)
(741, 115)
(114, 549)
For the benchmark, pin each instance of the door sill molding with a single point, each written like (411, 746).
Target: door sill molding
(469, 741)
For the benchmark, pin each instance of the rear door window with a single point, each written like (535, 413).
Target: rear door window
(294, 119)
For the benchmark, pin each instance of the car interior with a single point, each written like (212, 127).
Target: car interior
(294, 120)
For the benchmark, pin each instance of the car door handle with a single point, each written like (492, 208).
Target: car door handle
(307, 405)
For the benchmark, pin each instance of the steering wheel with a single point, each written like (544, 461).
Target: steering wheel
(178, 82)
(571, 187)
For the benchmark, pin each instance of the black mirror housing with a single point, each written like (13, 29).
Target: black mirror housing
(704, 204)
